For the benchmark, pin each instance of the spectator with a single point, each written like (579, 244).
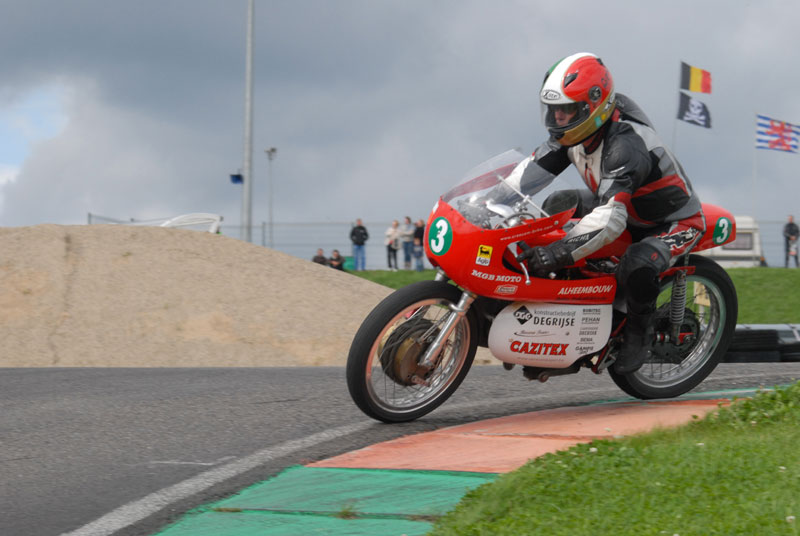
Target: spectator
(407, 240)
(790, 234)
(336, 261)
(418, 253)
(419, 230)
(419, 234)
(320, 258)
(392, 242)
(359, 237)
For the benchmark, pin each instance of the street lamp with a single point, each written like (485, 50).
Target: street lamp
(270, 155)
(247, 171)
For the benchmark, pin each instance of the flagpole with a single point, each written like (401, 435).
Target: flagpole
(755, 174)
(675, 133)
(675, 118)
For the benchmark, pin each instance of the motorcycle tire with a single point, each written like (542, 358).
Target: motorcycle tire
(382, 364)
(711, 313)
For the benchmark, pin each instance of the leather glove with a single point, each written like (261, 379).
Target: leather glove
(546, 259)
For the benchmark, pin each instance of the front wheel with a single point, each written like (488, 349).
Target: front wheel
(709, 320)
(382, 368)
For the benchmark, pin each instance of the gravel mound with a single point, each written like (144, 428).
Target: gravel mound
(124, 296)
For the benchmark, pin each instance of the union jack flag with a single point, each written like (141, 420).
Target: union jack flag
(776, 135)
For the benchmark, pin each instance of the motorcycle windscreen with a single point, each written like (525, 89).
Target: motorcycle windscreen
(482, 179)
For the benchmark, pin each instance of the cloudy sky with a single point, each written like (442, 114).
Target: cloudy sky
(136, 109)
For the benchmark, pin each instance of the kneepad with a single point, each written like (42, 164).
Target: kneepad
(639, 268)
(583, 200)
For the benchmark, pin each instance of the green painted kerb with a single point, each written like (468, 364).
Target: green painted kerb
(304, 500)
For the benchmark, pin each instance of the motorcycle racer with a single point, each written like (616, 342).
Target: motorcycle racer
(634, 183)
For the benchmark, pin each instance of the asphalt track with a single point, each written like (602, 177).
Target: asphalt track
(398, 486)
(128, 452)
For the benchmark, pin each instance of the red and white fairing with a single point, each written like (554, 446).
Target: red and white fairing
(549, 335)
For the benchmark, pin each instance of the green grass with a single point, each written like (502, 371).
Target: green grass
(397, 279)
(735, 472)
(766, 295)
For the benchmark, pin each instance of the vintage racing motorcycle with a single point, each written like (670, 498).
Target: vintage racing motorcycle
(415, 348)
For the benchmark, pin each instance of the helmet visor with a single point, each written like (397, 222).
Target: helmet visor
(562, 117)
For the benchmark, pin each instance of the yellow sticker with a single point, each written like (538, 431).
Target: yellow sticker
(484, 255)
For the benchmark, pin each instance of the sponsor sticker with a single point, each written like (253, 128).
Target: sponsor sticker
(591, 289)
(499, 278)
(484, 255)
(538, 348)
(506, 289)
(522, 315)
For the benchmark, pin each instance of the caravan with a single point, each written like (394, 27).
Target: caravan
(744, 251)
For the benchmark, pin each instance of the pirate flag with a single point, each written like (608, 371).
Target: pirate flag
(693, 111)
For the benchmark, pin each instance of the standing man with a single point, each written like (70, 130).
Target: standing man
(359, 237)
(407, 239)
(392, 243)
(790, 234)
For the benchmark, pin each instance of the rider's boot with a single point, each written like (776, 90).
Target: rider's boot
(637, 343)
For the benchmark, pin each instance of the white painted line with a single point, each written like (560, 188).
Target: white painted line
(132, 512)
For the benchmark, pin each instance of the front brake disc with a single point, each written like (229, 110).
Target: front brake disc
(402, 350)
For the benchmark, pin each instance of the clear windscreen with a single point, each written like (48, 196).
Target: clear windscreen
(499, 192)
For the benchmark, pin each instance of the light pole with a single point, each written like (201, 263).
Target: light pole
(247, 168)
(270, 155)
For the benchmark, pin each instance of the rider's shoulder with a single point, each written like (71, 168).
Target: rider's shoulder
(630, 111)
(624, 147)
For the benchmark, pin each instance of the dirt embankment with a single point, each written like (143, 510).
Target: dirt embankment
(107, 295)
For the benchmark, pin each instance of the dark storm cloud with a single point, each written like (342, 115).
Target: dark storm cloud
(375, 107)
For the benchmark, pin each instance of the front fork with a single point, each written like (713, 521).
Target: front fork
(431, 357)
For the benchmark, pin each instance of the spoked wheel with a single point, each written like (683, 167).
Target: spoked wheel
(383, 373)
(707, 330)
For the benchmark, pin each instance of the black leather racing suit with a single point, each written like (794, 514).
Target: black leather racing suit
(635, 183)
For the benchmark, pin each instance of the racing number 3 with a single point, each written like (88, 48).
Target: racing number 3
(722, 231)
(440, 236)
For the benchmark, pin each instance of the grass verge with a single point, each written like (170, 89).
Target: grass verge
(767, 295)
(737, 471)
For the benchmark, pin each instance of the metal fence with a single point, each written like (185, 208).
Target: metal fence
(297, 239)
(303, 239)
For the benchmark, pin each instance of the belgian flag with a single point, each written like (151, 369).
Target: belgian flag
(695, 79)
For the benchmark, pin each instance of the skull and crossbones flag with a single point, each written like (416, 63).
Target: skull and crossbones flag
(693, 111)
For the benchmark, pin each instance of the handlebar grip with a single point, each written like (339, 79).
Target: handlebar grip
(527, 251)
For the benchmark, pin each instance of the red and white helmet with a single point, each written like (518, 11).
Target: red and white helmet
(577, 98)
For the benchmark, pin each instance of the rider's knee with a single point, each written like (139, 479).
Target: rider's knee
(639, 268)
(583, 200)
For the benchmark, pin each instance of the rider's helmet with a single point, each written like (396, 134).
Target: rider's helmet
(577, 98)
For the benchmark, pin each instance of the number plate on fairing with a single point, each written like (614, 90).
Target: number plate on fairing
(549, 335)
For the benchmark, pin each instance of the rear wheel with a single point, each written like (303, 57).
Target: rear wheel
(709, 323)
(383, 376)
